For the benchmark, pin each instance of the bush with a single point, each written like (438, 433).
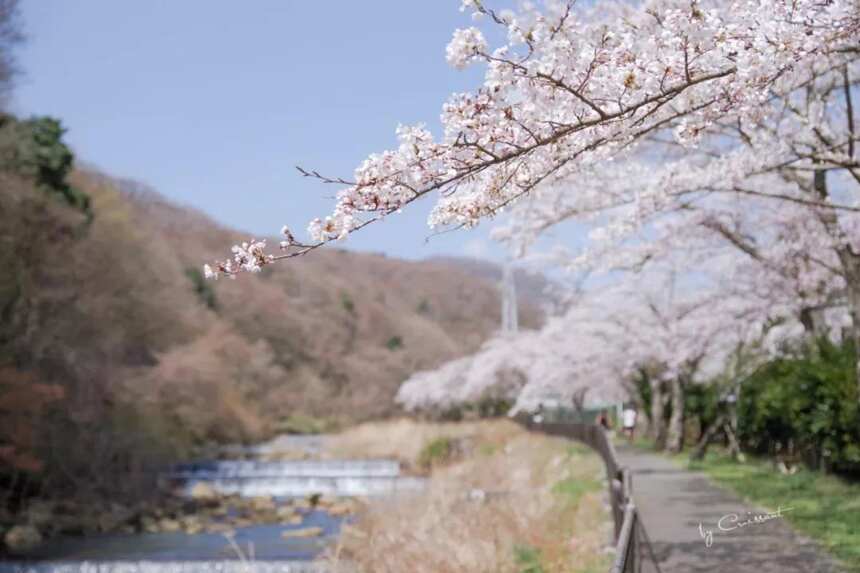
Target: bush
(701, 406)
(807, 404)
(436, 452)
(493, 407)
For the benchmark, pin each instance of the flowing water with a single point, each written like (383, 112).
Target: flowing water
(256, 548)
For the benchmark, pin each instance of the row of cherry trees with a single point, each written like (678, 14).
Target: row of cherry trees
(707, 149)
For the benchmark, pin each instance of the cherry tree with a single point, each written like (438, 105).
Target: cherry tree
(526, 369)
(689, 331)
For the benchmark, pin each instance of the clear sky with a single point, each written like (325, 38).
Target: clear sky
(213, 102)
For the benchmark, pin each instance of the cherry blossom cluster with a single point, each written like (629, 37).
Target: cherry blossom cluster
(251, 256)
(573, 88)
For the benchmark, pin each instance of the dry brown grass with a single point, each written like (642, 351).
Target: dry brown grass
(541, 511)
(403, 439)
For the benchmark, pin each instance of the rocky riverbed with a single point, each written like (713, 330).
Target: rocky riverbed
(55, 532)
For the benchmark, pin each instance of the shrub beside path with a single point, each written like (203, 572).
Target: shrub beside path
(673, 501)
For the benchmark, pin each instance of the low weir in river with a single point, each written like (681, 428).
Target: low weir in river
(340, 478)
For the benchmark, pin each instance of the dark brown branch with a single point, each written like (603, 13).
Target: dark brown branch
(739, 242)
(323, 178)
(849, 107)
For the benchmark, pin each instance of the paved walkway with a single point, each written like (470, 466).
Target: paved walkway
(674, 501)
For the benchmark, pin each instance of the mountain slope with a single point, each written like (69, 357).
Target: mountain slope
(108, 313)
(346, 327)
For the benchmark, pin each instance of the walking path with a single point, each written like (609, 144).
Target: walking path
(673, 501)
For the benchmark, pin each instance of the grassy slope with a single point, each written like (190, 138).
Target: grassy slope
(826, 508)
(542, 509)
(346, 327)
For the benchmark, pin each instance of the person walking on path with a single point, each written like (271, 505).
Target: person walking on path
(603, 421)
(628, 418)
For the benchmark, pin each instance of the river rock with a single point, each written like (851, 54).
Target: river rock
(219, 510)
(243, 522)
(191, 524)
(285, 511)
(222, 528)
(262, 504)
(113, 519)
(168, 525)
(302, 532)
(149, 524)
(203, 491)
(22, 538)
(40, 514)
(68, 524)
(302, 503)
(325, 501)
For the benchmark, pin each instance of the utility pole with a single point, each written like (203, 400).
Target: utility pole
(510, 317)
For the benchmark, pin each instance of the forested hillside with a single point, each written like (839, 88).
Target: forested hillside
(115, 354)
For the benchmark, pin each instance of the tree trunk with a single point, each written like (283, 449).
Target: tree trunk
(734, 444)
(850, 262)
(658, 419)
(702, 447)
(675, 442)
(853, 288)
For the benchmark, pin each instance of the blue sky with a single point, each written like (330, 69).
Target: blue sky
(213, 102)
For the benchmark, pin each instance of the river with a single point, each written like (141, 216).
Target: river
(251, 547)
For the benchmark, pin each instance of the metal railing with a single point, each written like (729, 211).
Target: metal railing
(633, 550)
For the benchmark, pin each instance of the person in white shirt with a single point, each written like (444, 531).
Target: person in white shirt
(628, 418)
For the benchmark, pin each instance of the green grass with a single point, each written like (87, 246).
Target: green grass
(528, 559)
(575, 449)
(304, 424)
(436, 452)
(487, 450)
(826, 508)
(574, 488)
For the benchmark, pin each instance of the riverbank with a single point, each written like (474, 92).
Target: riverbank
(402, 496)
(498, 499)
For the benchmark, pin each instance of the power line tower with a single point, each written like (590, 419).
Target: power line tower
(510, 323)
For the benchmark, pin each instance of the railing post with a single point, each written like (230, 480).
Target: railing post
(622, 548)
